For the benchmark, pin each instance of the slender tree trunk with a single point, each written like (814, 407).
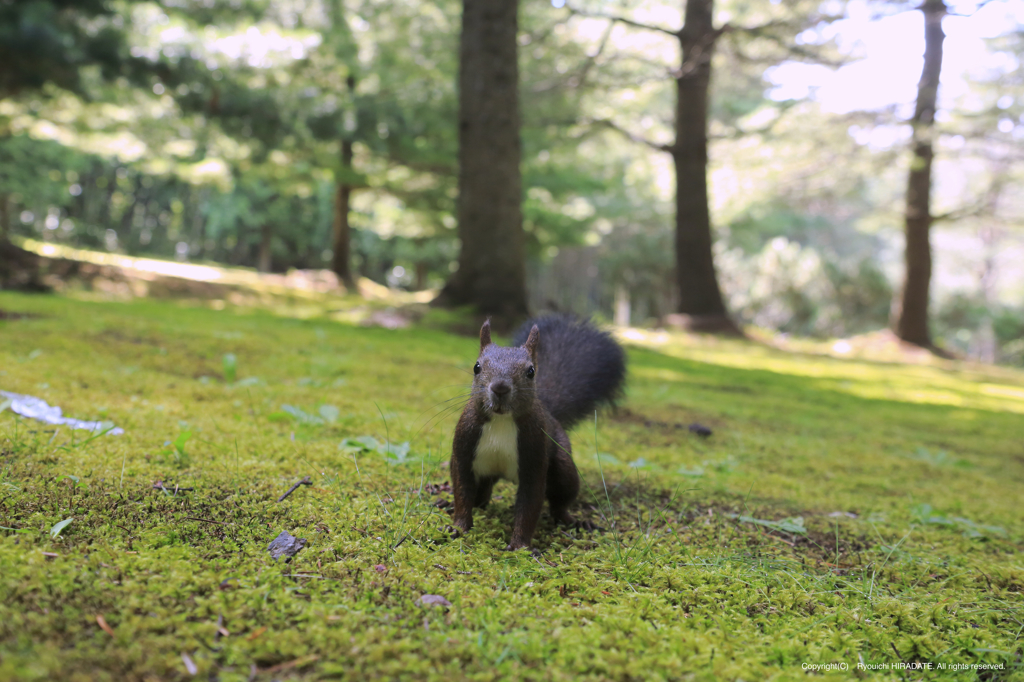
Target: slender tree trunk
(421, 275)
(5, 215)
(341, 261)
(265, 260)
(491, 276)
(341, 241)
(195, 215)
(239, 254)
(912, 323)
(700, 299)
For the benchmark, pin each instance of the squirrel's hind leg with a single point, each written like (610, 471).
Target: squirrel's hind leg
(563, 486)
(484, 487)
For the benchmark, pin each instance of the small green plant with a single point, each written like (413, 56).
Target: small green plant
(393, 453)
(230, 367)
(55, 531)
(178, 450)
(923, 514)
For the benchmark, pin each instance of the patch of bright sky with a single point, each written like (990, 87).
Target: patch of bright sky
(893, 51)
(260, 47)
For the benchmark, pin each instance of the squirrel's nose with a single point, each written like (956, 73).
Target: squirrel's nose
(500, 388)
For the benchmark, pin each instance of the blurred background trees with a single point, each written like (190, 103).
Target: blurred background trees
(324, 134)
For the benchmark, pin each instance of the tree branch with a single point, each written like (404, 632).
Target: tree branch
(578, 80)
(737, 132)
(611, 125)
(623, 20)
(806, 53)
(969, 211)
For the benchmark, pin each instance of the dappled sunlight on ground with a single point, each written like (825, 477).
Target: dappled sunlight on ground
(305, 294)
(919, 378)
(875, 366)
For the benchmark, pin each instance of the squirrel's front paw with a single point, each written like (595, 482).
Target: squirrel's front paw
(583, 524)
(458, 529)
(570, 522)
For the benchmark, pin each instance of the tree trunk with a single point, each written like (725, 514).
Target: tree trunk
(239, 253)
(422, 268)
(700, 299)
(912, 323)
(341, 261)
(19, 269)
(491, 275)
(5, 215)
(265, 260)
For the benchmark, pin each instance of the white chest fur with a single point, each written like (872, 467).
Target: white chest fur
(497, 453)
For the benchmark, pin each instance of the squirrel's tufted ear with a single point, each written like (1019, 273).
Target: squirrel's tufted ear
(531, 343)
(485, 334)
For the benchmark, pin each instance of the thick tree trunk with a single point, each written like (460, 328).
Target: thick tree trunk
(19, 269)
(492, 262)
(341, 241)
(700, 299)
(912, 323)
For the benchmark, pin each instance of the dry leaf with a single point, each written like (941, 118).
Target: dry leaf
(102, 622)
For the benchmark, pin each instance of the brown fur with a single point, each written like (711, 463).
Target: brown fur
(503, 385)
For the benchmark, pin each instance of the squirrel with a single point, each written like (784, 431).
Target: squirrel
(523, 400)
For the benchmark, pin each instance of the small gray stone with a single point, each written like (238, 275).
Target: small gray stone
(434, 600)
(285, 545)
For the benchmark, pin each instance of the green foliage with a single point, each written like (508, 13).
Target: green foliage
(50, 41)
(963, 321)
(905, 479)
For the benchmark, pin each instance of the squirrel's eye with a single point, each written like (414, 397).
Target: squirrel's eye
(476, 368)
(530, 372)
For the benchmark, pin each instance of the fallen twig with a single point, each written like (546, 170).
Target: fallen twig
(304, 481)
(196, 518)
(305, 660)
(159, 485)
(305, 575)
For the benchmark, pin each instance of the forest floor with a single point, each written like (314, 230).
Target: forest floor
(844, 513)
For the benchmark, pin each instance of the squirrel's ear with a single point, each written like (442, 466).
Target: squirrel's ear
(485, 334)
(531, 342)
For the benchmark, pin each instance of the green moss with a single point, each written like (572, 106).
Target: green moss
(923, 463)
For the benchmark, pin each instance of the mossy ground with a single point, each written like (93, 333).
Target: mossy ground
(907, 479)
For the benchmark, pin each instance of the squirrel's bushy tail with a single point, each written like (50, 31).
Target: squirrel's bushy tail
(579, 366)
